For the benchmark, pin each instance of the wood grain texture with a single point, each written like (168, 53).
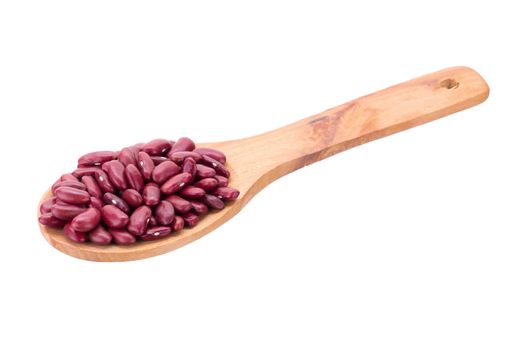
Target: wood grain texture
(256, 161)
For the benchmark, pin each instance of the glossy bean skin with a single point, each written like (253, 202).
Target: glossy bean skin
(76, 236)
(189, 166)
(100, 236)
(226, 193)
(183, 144)
(138, 222)
(66, 212)
(91, 186)
(190, 219)
(134, 178)
(155, 232)
(72, 195)
(47, 205)
(49, 220)
(116, 173)
(113, 217)
(191, 192)
(122, 237)
(222, 181)
(181, 205)
(132, 197)
(146, 165)
(207, 184)
(151, 194)
(127, 156)
(96, 158)
(178, 157)
(79, 172)
(177, 224)
(175, 183)
(68, 177)
(158, 159)
(69, 183)
(96, 203)
(86, 221)
(204, 171)
(219, 168)
(156, 147)
(164, 171)
(212, 201)
(164, 213)
(213, 153)
(111, 198)
(199, 208)
(103, 181)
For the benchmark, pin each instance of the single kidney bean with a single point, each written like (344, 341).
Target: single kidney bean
(152, 222)
(219, 168)
(164, 171)
(86, 221)
(113, 217)
(178, 157)
(207, 184)
(189, 166)
(156, 147)
(68, 183)
(72, 195)
(100, 236)
(132, 197)
(158, 159)
(116, 174)
(151, 194)
(103, 181)
(183, 144)
(199, 208)
(191, 192)
(79, 172)
(66, 212)
(175, 183)
(138, 222)
(97, 158)
(210, 152)
(134, 178)
(110, 198)
(146, 165)
(180, 204)
(122, 237)
(222, 181)
(68, 177)
(155, 232)
(46, 205)
(212, 201)
(204, 171)
(177, 224)
(76, 236)
(48, 219)
(226, 193)
(164, 213)
(91, 186)
(96, 203)
(127, 156)
(190, 219)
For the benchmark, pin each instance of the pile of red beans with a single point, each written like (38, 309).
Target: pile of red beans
(144, 192)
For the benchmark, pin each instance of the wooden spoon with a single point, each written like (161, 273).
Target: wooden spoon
(256, 161)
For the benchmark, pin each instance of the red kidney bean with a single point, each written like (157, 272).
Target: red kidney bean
(207, 184)
(72, 195)
(46, 205)
(68, 177)
(96, 203)
(178, 157)
(68, 183)
(175, 183)
(180, 204)
(212, 201)
(122, 237)
(210, 152)
(134, 178)
(199, 208)
(222, 181)
(183, 144)
(164, 171)
(91, 186)
(146, 165)
(151, 194)
(204, 171)
(113, 217)
(48, 219)
(155, 232)
(110, 198)
(177, 224)
(158, 159)
(226, 193)
(164, 213)
(219, 168)
(116, 174)
(100, 236)
(191, 192)
(138, 222)
(152, 222)
(132, 197)
(66, 212)
(79, 172)
(190, 219)
(97, 158)
(127, 156)
(76, 236)
(156, 147)
(189, 166)
(103, 181)
(86, 221)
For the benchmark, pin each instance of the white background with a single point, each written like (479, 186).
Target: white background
(415, 241)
